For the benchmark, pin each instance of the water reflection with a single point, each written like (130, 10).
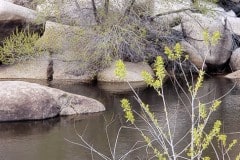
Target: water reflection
(47, 139)
(21, 129)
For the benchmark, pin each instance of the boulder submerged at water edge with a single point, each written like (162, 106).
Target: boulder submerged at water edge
(108, 81)
(30, 101)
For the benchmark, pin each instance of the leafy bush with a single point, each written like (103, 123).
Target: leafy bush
(19, 46)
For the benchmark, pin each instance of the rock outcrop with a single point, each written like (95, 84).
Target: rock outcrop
(67, 12)
(233, 75)
(194, 57)
(233, 25)
(61, 43)
(25, 3)
(30, 101)
(59, 38)
(235, 60)
(13, 16)
(194, 26)
(108, 81)
(37, 69)
(133, 74)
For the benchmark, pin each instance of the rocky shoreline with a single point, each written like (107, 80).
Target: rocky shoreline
(30, 101)
(40, 102)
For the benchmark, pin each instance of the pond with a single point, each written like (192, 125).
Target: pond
(58, 138)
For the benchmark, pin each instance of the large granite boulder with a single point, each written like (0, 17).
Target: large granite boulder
(194, 57)
(235, 60)
(233, 75)
(67, 12)
(13, 16)
(133, 74)
(80, 12)
(25, 3)
(194, 26)
(34, 69)
(236, 1)
(61, 43)
(58, 37)
(37, 69)
(30, 101)
(108, 81)
(233, 25)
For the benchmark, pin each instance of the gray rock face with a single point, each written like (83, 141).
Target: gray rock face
(133, 73)
(30, 101)
(237, 1)
(22, 101)
(25, 3)
(233, 24)
(13, 16)
(235, 60)
(194, 27)
(108, 81)
(76, 104)
(68, 12)
(37, 69)
(233, 75)
(59, 37)
(194, 57)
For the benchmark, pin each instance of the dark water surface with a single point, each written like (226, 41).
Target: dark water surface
(49, 139)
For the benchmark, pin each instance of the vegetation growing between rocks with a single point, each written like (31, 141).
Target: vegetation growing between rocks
(135, 36)
(131, 34)
(18, 47)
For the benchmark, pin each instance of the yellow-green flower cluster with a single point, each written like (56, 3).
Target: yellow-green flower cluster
(202, 111)
(127, 110)
(120, 69)
(206, 158)
(150, 115)
(222, 139)
(214, 132)
(198, 136)
(159, 69)
(174, 54)
(155, 150)
(198, 84)
(232, 144)
(215, 105)
(160, 74)
(203, 140)
(238, 157)
(211, 39)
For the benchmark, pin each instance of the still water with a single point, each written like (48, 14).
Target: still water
(51, 139)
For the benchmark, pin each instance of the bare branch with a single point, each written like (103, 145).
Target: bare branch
(95, 12)
(128, 9)
(172, 12)
(106, 7)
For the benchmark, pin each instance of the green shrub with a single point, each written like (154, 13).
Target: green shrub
(19, 46)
